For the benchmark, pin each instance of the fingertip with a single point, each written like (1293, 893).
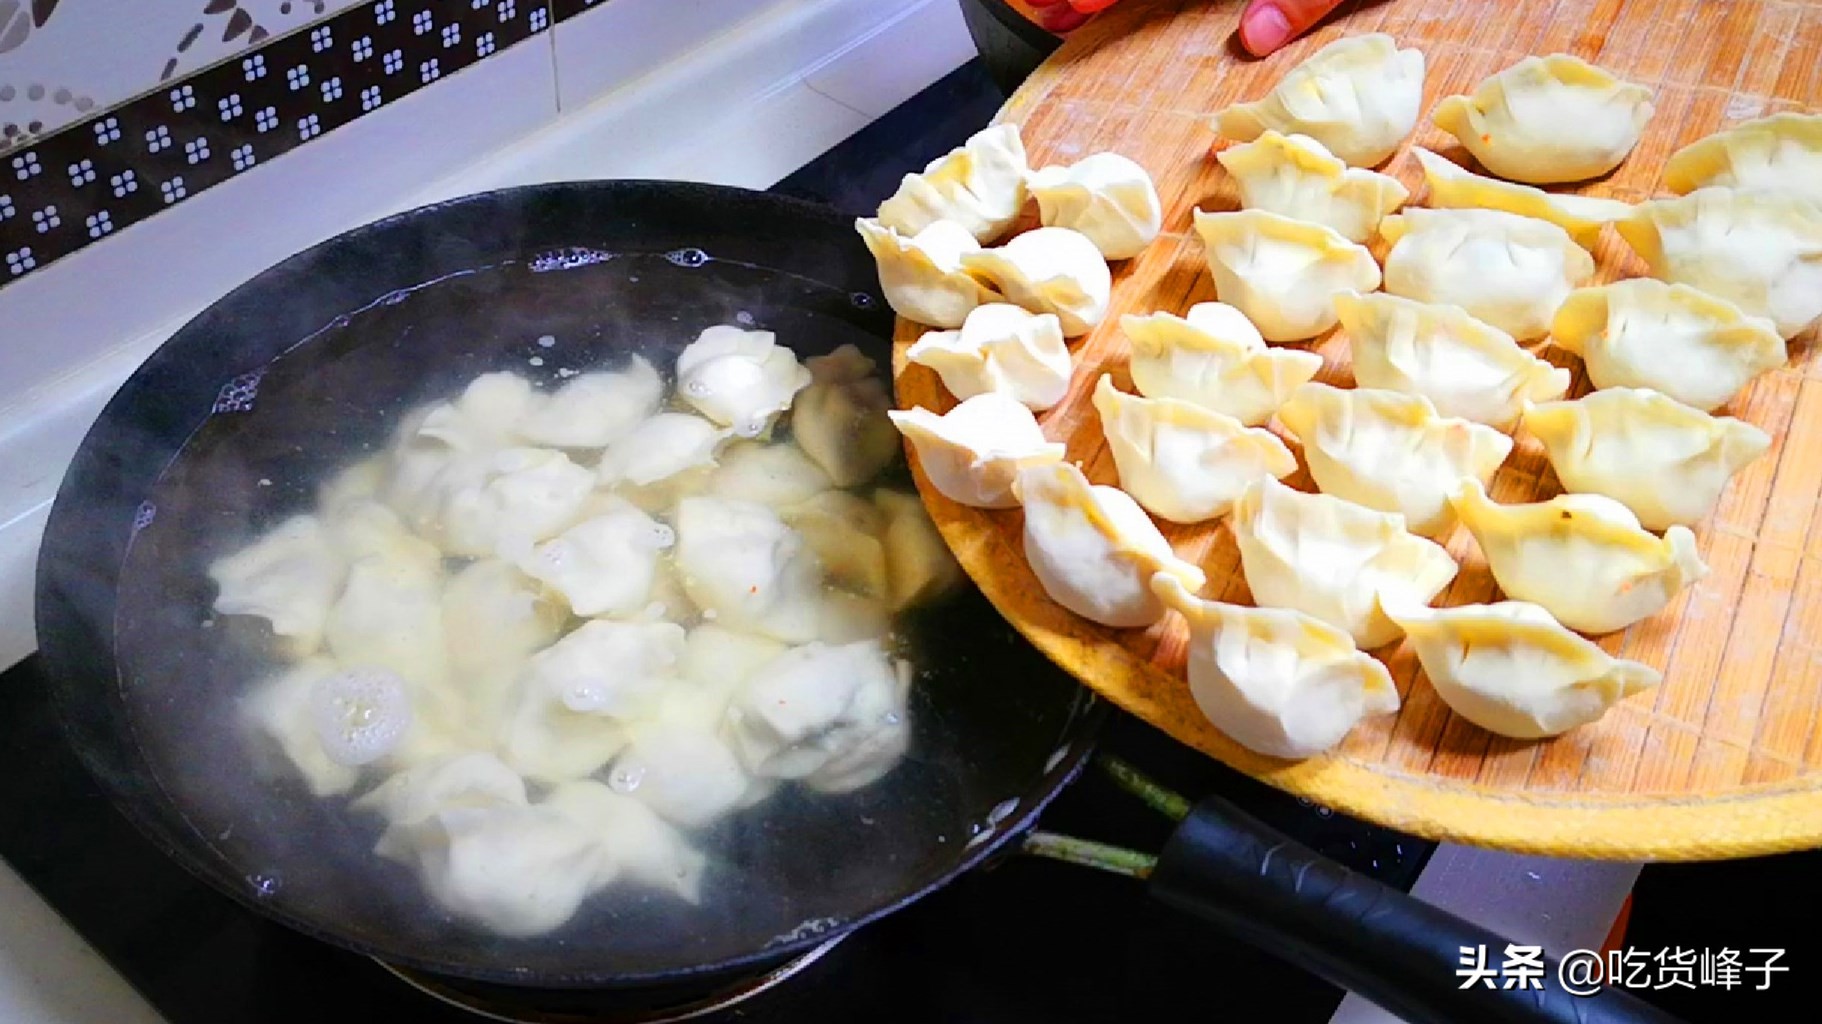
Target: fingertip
(1264, 28)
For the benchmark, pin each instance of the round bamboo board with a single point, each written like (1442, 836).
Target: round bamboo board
(1725, 758)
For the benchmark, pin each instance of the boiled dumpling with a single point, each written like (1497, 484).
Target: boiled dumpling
(681, 769)
(1277, 682)
(1781, 153)
(1666, 461)
(1048, 270)
(1003, 348)
(1180, 461)
(604, 565)
(740, 561)
(390, 613)
(1512, 669)
(1583, 557)
(1333, 560)
(502, 500)
(494, 618)
(1548, 119)
(1391, 451)
(1093, 549)
(1283, 274)
(1465, 368)
(840, 420)
(575, 697)
(922, 276)
(595, 409)
(1508, 270)
(486, 416)
(919, 566)
(362, 481)
(842, 531)
(1214, 357)
(662, 448)
(771, 474)
(1295, 176)
(834, 713)
(279, 710)
(716, 660)
(1642, 333)
(1761, 251)
(972, 452)
(1359, 96)
(979, 186)
(1107, 197)
(1455, 187)
(290, 577)
(635, 843)
(740, 379)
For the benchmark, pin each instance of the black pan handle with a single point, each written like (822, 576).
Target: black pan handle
(1256, 883)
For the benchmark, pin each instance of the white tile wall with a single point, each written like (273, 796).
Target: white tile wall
(926, 41)
(621, 40)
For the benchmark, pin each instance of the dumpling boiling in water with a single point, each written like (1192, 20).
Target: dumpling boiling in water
(1214, 357)
(979, 186)
(1295, 176)
(1391, 451)
(665, 446)
(279, 710)
(1107, 197)
(1583, 557)
(637, 845)
(740, 379)
(1512, 669)
(1664, 460)
(1465, 368)
(595, 409)
(290, 577)
(1093, 549)
(771, 474)
(840, 419)
(1180, 461)
(1002, 348)
(1686, 343)
(575, 697)
(514, 496)
(1455, 187)
(1548, 119)
(605, 564)
(919, 566)
(1283, 274)
(830, 714)
(842, 530)
(972, 452)
(681, 769)
(1334, 560)
(1780, 153)
(922, 275)
(1048, 270)
(494, 618)
(1508, 270)
(1358, 96)
(1277, 682)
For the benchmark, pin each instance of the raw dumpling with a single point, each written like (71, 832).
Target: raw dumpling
(1508, 270)
(972, 452)
(636, 844)
(740, 561)
(1295, 176)
(279, 710)
(576, 697)
(1277, 682)
(1780, 153)
(1283, 274)
(595, 409)
(922, 274)
(1214, 357)
(840, 420)
(740, 379)
(1391, 451)
(1583, 557)
(604, 565)
(1334, 560)
(1456, 187)
(1548, 119)
(1664, 460)
(830, 714)
(1358, 96)
(919, 565)
(1107, 197)
(842, 531)
(662, 448)
(1002, 348)
(1048, 270)
(771, 474)
(979, 186)
(1465, 368)
(1094, 549)
(1512, 669)
(1762, 251)
(290, 577)
(1672, 338)
(1180, 461)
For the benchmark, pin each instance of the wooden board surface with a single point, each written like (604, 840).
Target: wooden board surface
(1725, 758)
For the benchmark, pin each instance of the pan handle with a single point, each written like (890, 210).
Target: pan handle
(1255, 883)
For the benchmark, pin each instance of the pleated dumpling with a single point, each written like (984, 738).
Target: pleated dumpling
(1001, 348)
(1334, 560)
(1548, 119)
(1688, 344)
(662, 448)
(972, 452)
(1762, 251)
(1107, 197)
(739, 379)
(1048, 270)
(921, 275)
(1276, 681)
(1512, 669)
(1093, 549)
(919, 566)
(1358, 96)
(840, 419)
(1666, 461)
(979, 185)
(1391, 451)
(1508, 270)
(1780, 153)
(771, 474)
(1455, 187)
(1214, 357)
(1583, 557)
(595, 409)
(1465, 367)
(740, 560)
(1283, 274)
(604, 565)
(1180, 461)
(1295, 176)
(290, 577)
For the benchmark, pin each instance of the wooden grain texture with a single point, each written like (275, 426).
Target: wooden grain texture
(1723, 759)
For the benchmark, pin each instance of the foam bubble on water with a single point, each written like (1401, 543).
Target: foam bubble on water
(536, 360)
(360, 715)
(547, 341)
